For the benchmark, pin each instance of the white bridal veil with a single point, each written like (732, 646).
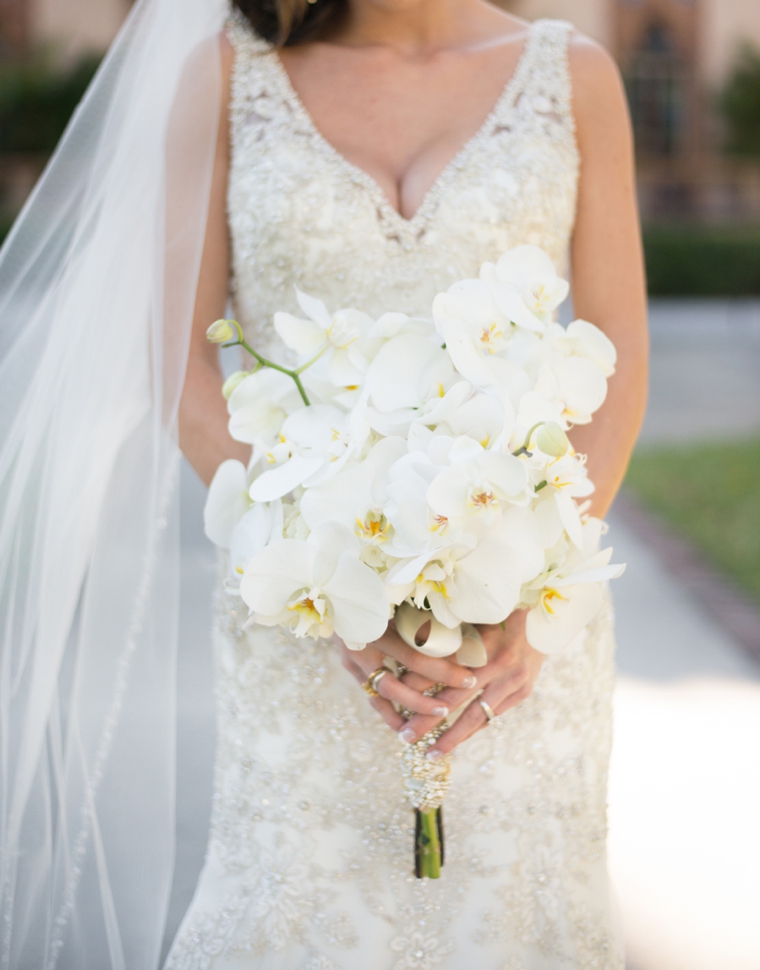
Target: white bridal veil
(97, 284)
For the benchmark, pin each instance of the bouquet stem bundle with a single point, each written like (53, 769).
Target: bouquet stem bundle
(428, 843)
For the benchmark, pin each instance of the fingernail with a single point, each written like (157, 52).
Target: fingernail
(434, 755)
(407, 735)
(470, 682)
(440, 711)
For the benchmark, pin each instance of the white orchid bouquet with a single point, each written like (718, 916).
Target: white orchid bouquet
(419, 470)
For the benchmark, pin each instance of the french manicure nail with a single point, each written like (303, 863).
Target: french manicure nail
(440, 711)
(407, 735)
(434, 755)
(469, 682)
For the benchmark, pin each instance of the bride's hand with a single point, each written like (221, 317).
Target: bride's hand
(505, 681)
(426, 670)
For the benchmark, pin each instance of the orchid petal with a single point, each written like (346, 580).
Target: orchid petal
(227, 502)
(314, 309)
(283, 479)
(303, 336)
(579, 606)
(273, 575)
(592, 343)
(360, 604)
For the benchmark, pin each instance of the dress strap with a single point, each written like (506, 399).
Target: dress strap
(253, 92)
(546, 86)
(243, 37)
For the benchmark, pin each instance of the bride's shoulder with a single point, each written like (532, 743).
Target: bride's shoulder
(598, 92)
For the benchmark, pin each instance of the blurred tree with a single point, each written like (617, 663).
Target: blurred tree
(37, 100)
(740, 103)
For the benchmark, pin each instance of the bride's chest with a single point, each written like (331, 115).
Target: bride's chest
(301, 215)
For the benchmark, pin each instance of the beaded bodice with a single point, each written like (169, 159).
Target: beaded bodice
(301, 215)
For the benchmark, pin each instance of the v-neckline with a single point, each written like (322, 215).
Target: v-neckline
(455, 162)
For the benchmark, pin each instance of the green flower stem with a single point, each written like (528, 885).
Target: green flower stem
(263, 362)
(523, 449)
(314, 359)
(428, 845)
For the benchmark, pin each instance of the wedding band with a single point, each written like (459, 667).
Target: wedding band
(370, 684)
(487, 709)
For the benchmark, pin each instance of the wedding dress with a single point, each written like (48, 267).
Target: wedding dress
(309, 864)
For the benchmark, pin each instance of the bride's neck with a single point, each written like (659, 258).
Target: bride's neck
(419, 27)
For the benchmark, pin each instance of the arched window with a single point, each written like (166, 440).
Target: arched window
(656, 81)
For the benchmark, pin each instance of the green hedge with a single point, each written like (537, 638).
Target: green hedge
(709, 492)
(37, 100)
(700, 261)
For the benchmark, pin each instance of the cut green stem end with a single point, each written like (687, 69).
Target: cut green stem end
(428, 843)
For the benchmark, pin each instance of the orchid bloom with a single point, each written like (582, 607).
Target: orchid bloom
(407, 376)
(323, 332)
(566, 597)
(477, 486)
(309, 440)
(356, 496)
(259, 405)
(471, 581)
(527, 273)
(227, 502)
(583, 339)
(473, 327)
(317, 588)
(562, 480)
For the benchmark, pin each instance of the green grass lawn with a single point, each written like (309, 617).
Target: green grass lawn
(711, 494)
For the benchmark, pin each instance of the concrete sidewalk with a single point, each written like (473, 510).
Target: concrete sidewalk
(685, 788)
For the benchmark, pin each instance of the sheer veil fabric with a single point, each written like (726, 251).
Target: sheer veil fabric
(97, 284)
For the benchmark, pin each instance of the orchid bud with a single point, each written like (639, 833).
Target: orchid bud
(232, 382)
(220, 332)
(552, 440)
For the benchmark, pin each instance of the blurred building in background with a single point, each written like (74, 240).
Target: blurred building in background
(676, 56)
(72, 27)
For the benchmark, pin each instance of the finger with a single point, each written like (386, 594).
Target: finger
(514, 700)
(413, 700)
(439, 670)
(500, 696)
(353, 668)
(417, 682)
(388, 712)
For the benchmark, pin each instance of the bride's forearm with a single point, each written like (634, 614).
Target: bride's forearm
(608, 269)
(609, 439)
(203, 434)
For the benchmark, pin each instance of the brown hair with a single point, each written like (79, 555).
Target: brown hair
(288, 22)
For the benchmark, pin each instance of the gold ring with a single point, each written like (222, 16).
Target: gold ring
(487, 709)
(370, 684)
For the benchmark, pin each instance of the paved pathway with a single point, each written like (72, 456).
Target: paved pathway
(685, 787)
(685, 848)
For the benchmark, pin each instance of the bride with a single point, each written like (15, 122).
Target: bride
(368, 152)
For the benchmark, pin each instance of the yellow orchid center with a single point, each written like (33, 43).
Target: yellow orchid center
(489, 336)
(374, 527)
(549, 600)
(438, 523)
(482, 498)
